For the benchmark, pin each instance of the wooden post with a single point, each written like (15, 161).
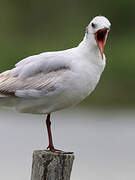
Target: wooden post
(51, 166)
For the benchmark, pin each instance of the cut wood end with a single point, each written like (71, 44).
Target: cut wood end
(49, 165)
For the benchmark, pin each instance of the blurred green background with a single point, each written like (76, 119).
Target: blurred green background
(29, 27)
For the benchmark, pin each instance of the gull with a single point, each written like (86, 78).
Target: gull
(51, 81)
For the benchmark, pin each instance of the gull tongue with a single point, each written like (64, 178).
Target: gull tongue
(100, 37)
(101, 47)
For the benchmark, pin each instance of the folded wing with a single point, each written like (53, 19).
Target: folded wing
(35, 75)
(34, 86)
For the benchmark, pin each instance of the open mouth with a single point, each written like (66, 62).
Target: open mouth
(100, 37)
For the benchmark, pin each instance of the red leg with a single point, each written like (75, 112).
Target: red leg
(51, 146)
(48, 124)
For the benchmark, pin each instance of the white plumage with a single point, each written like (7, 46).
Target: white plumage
(52, 81)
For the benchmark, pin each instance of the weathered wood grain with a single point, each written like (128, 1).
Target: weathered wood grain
(51, 166)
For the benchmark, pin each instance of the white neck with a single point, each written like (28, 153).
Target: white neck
(88, 47)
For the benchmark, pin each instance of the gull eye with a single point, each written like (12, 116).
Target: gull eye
(93, 25)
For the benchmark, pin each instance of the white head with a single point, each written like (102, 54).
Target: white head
(98, 29)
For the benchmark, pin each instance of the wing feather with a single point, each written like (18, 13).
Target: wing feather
(43, 63)
(43, 71)
(9, 84)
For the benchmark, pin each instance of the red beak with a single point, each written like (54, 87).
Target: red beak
(100, 37)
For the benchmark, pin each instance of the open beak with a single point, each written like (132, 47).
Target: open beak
(100, 37)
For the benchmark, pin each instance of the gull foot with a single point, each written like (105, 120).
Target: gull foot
(52, 149)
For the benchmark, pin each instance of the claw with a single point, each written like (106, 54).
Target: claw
(52, 149)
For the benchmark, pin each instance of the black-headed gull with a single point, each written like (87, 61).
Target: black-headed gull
(52, 81)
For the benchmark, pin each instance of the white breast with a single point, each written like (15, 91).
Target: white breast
(87, 75)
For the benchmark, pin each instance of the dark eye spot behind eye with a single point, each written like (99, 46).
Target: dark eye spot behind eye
(93, 25)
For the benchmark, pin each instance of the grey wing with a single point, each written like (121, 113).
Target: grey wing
(36, 75)
(35, 86)
(45, 62)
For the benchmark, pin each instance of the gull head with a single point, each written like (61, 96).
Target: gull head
(98, 29)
